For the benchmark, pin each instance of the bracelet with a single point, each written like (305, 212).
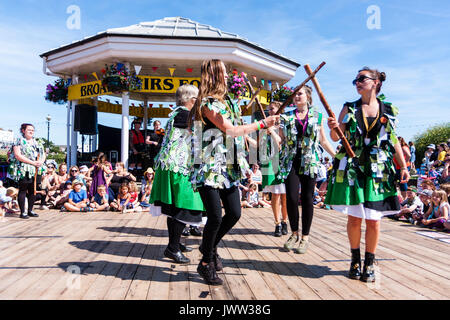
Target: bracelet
(258, 125)
(264, 123)
(403, 168)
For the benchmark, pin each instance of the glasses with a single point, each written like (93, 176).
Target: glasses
(73, 170)
(361, 79)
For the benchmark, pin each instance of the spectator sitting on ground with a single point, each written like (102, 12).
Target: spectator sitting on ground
(49, 184)
(255, 175)
(428, 184)
(438, 212)
(62, 176)
(147, 180)
(134, 199)
(119, 177)
(445, 177)
(78, 200)
(122, 203)
(100, 201)
(145, 198)
(411, 205)
(446, 188)
(253, 200)
(59, 201)
(85, 177)
(425, 197)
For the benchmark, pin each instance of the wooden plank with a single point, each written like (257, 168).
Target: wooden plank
(55, 282)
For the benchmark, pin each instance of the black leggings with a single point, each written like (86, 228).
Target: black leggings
(217, 226)
(26, 190)
(175, 229)
(292, 189)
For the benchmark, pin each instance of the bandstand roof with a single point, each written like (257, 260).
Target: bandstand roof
(173, 42)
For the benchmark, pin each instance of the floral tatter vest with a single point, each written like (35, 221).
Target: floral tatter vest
(374, 156)
(213, 164)
(175, 151)
(311, 153)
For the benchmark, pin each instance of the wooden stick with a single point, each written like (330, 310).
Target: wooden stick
(297, 89)
(330, 112)
(35, 175)
(254, 96)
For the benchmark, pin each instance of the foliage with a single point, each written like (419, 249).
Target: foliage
(282, 93)
(57, 93)
(434, 135)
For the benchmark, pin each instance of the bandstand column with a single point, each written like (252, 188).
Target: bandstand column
(73, 133)
(125, 136)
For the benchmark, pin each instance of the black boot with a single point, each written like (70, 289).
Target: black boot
(355, 266)
(368, 274)
(178, 256)
(195, 231)
(217, 261)
(209, 274)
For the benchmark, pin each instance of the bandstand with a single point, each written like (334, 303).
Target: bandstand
(165, 54)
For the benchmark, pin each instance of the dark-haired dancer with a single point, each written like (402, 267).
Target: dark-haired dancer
(364, 187)
(302, 132)
(217, 171)
(172, 192)
(28, 156)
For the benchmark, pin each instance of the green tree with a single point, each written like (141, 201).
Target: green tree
(434, 135)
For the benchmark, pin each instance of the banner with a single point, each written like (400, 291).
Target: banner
(150, 84)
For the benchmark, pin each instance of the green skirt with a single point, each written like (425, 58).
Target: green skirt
(176, 190)
(382, 198)
(269, 178)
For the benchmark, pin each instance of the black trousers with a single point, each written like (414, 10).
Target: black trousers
(217, 226)
(175, 229)
(26, 190)
(292, 183)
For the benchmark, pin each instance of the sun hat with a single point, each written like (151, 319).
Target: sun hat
(149, 170)
(431, 146)
(76, 181)
(412, 188)
(426, 192)
(84, 168)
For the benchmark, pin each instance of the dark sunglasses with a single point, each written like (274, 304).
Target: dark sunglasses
(73, 170)
(361, 79)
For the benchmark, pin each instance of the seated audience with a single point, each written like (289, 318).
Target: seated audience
(78, 200)
(100, 201)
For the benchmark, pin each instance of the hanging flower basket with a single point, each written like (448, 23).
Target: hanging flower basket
(117, 79)
(282, 94)
(57, 93)
(236, 84)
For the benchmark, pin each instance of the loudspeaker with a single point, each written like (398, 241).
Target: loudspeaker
(86, 119)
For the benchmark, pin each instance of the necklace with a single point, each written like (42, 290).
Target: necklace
(366, 124)
(297, 113)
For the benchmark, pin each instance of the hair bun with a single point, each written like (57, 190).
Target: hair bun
(382, 76)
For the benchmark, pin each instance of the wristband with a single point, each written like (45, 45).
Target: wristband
(264, 123)
(403, 168)
(259, 125)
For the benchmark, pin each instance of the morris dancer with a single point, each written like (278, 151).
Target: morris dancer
(218, 118)
(270, 182)
(364, 187)
(302, 131)
(172, 192)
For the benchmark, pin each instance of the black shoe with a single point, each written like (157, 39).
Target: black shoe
(277, 232)
(368, 274)
(183, 248)
(217, 262)
(178, 257)
(208, 273)
(218, 265)
(186, 232)
(355, 271)
(24, 216)
(195, 231)
(33, 214)
(284, 229)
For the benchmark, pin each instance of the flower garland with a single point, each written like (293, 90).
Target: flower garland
(236, 84)
(116, 78)
(57, 93)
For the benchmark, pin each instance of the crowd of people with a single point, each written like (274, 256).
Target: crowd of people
(190, 182)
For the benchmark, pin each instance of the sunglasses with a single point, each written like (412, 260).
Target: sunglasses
(361, 79)
(73, 170)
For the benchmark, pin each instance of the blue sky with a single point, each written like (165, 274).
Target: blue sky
(412, 47)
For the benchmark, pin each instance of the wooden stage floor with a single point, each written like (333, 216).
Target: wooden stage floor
(120, 256)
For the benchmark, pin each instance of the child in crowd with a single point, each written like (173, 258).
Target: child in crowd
(78, 200)
(84, 177)
(410, 206)
(438, 213)
(446, 188)
(59, 201)
(425, 197)
(100, 201)
(122, 202)
(145, 205)
(7, 197)
(134, 193)
(253, 200)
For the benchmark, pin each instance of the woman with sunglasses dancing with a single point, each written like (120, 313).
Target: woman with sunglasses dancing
(364, 187)
(218, 170)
